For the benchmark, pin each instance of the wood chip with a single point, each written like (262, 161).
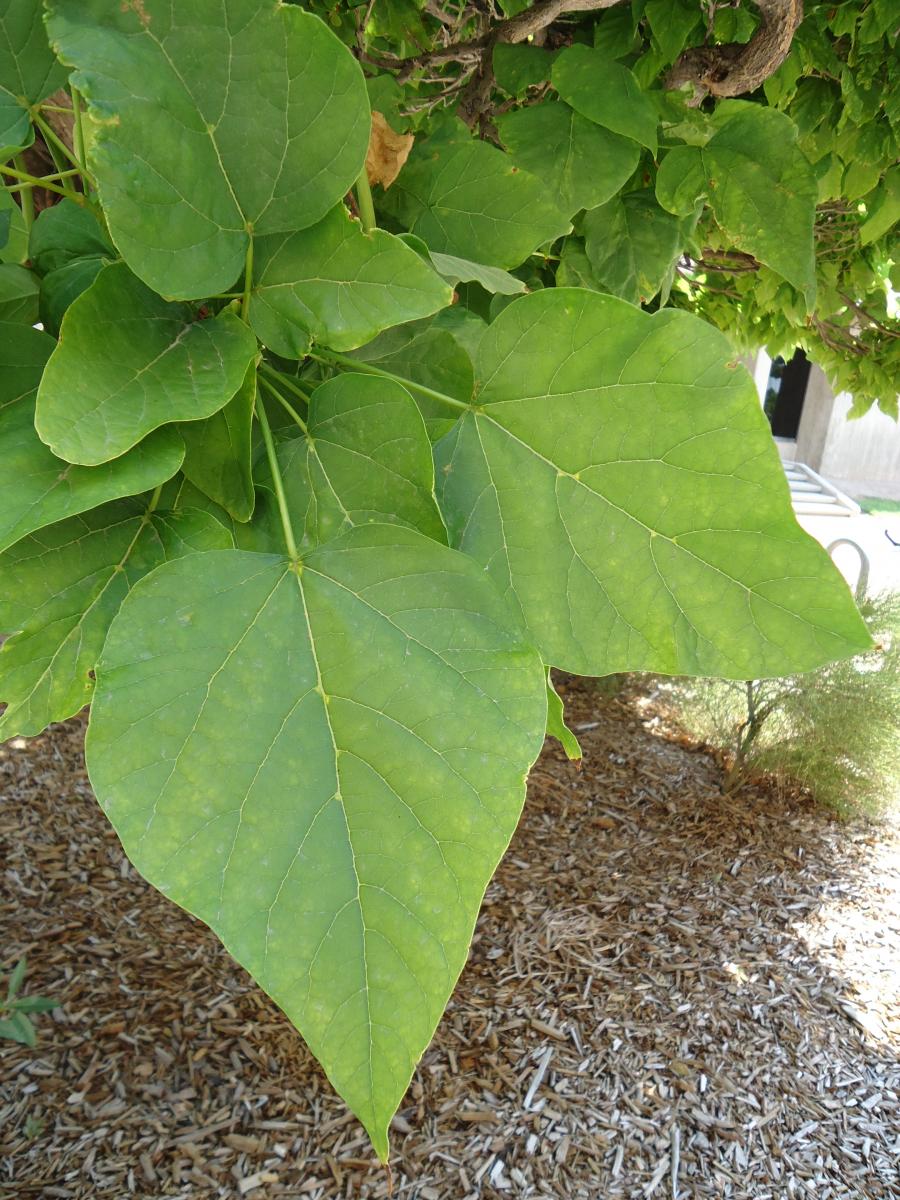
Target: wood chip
(636, 1019)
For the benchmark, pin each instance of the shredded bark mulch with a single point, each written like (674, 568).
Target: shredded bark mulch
(672, 993)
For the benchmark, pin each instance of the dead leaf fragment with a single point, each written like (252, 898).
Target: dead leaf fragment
(387, 152)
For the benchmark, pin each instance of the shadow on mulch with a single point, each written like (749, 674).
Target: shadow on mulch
(671, 993)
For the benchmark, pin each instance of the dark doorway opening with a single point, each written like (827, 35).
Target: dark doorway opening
(785, 393)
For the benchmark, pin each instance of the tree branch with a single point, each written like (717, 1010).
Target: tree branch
(513, 29)
(728, 70)
(737, 68)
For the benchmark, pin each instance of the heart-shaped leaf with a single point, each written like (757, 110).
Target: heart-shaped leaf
(212, 126)
(618, 480)
(128, 362)
(754, 168)
(325, 765)
(335, 285)
(61, 588)
(605, 92)
(631, 244)
(367, 458)
(428, 355)
(39, 488)
(584, 163)
(467, 198)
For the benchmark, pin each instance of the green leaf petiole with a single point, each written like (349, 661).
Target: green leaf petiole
(364, 201)
(285, 404)
(278, 483)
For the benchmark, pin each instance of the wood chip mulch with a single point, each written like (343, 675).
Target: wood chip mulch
(672, 993)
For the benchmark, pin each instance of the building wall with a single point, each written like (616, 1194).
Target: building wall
(868, 448)
(816, 421)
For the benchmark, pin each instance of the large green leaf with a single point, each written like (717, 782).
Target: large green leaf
(367, 458)
(217, 120)
(750, 170)
(428, 355)
(467, 198)
(605, 92)
(128, 362)
(581, 161)
(520, 65)
(631, 244)
(672, 23)
(28, 68)
(37, 487)
(335, 285)
(618, 480)
(755, 170)
(325, 765)
(219, 452)
(60, 589)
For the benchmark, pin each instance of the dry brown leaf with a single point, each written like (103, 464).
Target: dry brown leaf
(388, 151)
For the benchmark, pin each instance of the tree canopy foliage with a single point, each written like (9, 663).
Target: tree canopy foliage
(770, 207)
(369, 386)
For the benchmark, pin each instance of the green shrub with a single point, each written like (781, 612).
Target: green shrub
(834, 731)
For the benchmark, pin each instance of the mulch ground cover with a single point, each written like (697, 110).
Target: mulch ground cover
(672, 993)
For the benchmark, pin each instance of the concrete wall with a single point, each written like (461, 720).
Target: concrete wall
(865, 449)
(868, 448)
(816, 420)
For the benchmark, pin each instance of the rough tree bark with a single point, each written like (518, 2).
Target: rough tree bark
(738, 68)
(728, 70)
